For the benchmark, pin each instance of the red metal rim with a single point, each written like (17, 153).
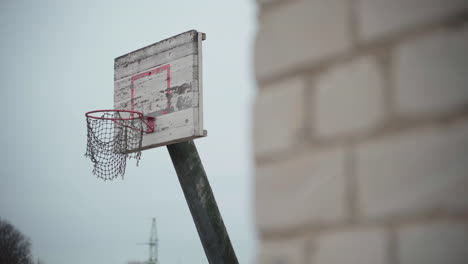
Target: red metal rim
(139, 115)
(147, 120)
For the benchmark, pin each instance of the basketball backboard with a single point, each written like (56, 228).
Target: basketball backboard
(164, 81)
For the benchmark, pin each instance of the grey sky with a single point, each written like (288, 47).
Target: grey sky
(57, 63)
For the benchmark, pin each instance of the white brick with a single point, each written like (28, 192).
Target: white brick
(282, 252)
(300, 33)
(433, 244)
(414, 173)
(377, 18)
(352, 247)
(432, 73)
(279, 116)
(350, 99)
(308, 189)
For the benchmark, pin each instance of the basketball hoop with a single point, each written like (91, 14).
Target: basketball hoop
(113, 135)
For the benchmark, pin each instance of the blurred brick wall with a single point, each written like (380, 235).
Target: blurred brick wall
(361, 131)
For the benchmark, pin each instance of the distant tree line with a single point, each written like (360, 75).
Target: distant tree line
(15, 248)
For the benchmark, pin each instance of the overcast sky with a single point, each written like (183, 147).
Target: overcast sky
(56, 64)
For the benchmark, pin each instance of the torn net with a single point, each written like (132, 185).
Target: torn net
(109, 140)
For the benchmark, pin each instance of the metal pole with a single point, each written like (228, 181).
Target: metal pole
(202, 204)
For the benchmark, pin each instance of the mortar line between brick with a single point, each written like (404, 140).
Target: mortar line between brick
(353, 21)
(385, 62)
(395, 222)
(310, 250)
(310, 102)
(351, 183)
(392, 247)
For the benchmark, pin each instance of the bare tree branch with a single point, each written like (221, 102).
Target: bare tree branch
(15, 248)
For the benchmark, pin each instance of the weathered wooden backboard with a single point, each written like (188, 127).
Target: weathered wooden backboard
(164, 81)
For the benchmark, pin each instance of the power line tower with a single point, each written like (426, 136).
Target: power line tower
(153, 244)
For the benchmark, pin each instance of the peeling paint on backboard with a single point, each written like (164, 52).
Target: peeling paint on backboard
(163, 80)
